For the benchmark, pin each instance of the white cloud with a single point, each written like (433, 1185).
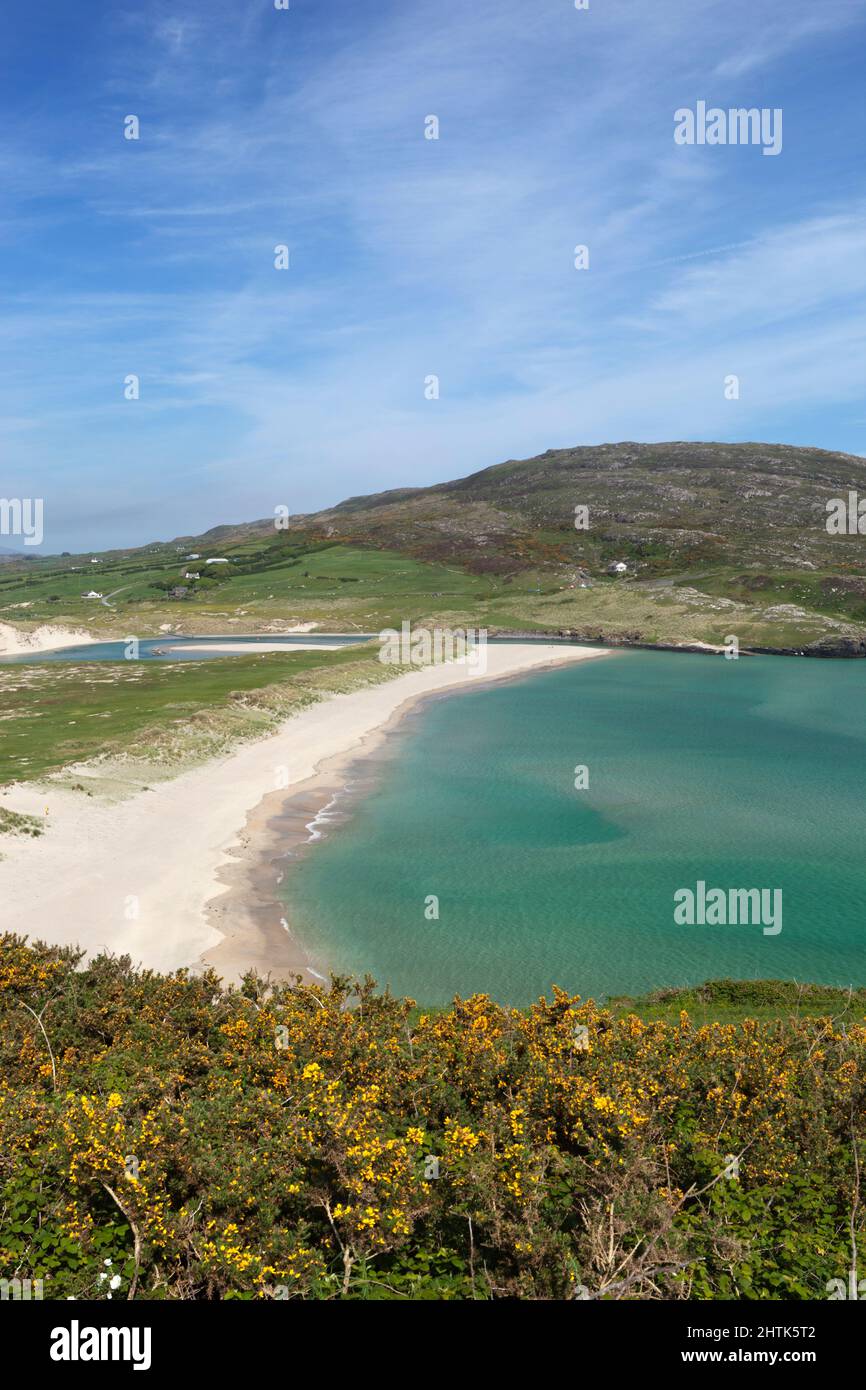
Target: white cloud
(413, 256)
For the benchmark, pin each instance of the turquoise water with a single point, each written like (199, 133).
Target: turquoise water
(743, 774)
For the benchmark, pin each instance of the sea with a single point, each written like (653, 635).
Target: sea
(538, 832)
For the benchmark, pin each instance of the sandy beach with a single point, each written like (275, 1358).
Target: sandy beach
(165, 875)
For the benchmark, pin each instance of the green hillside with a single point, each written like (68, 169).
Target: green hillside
(716, 539)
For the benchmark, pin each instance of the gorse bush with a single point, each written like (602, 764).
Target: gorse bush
(304, 1142)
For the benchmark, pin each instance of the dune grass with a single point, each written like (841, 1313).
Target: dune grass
(58, 714)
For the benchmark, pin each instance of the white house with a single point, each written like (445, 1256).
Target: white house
(92, 594)
(618, 567)
(192, 575)
(192, 557)
(218, 561)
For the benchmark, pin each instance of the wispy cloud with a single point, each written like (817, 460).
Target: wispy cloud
(410, 256)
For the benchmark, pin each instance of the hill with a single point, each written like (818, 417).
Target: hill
(716, 539)
(662, 506)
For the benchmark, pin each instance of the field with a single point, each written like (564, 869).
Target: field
(265, 587)
(161, 714)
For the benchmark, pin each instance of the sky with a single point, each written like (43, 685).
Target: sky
(411, 258)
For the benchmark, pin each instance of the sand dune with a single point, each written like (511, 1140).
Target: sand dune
(17, 641)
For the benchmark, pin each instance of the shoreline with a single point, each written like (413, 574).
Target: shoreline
(150, 876)
(16, 641)
(249, 912)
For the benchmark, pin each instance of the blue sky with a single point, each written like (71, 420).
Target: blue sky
(411, 257)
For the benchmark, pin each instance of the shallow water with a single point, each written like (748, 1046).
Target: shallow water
(195, 648)
(169, 648)
(743, 774)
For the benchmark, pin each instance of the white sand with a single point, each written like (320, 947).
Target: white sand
(135, 877)
(16, 641)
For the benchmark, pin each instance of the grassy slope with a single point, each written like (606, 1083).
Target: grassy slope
(719, 539)
(273, 583)
(733, 1001)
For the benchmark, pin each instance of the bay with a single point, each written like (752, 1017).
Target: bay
(741, 774)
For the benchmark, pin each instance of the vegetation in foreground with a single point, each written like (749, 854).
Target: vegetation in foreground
(195, 1142)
